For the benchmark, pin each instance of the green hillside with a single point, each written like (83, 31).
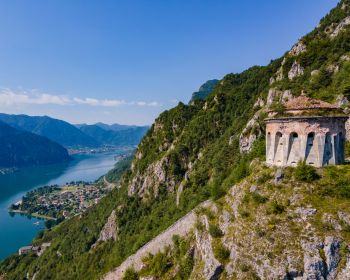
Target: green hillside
(20, 149)
(192, 153)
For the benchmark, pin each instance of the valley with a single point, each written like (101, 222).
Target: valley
(18, 230)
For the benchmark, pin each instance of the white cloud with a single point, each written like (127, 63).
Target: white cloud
(9, 97)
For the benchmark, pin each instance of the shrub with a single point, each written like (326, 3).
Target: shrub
(305, 173)
(130, 274)
(276, 208)
(221, 253)
(258, 198)
(215, 231)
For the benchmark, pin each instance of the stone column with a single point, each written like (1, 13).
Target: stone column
(303, 143)
(286, 147)
(320, 142)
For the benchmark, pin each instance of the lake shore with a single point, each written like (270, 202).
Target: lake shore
(35, 215)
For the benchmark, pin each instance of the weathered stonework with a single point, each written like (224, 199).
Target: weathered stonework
(317, 140)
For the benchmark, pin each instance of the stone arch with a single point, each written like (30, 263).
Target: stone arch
(340, 148)
(293, 149)
(278, 148)
(328, 149)
(310, 154)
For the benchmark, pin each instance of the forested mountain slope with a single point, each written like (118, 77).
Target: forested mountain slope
(197, 152)
(19, 149)
(204, 90)
(56, 130)
(114, 135)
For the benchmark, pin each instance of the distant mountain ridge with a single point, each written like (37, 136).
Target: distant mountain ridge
(21, 148)
(204, 90)
(74, 136)
(111, 134)
(56, 130)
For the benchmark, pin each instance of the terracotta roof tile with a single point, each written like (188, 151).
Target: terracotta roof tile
(304, 102)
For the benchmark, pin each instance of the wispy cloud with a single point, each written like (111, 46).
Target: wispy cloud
(9, 97)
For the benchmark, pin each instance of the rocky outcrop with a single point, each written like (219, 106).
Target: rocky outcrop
(109, 230)
(259, 103)
(151, 179)
(250, 133)
(334, 29)
(295, 71)
(262, 243)
(246, 142)
(297, 49)
(332, 254)
(212, 268)
(341, 101)
(333, 68)
(275, 95)
(314, 265)
(344, 274)
(279, 73)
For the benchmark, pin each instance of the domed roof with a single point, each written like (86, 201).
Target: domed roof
(303, 102)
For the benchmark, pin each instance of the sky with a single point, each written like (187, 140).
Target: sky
(126, 61)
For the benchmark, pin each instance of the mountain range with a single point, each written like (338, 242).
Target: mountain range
(20, 149)
(115, 134)
(71, 136)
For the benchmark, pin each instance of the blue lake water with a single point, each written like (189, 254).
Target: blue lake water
(18, 230)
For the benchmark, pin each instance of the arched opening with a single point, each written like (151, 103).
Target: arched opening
(328, 149)
(279, 147)
(340, 149)
(268, 147)
(293, 149)
(310, 150)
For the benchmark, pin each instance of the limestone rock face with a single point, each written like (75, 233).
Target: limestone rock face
(344, 274)
(297, 49)
(259, 103)
(279, 73)
(278, 176)
(246, 142)
(151, 179)
(314, 266)
(341, 101)
(335, 29)
(344, 217)
(295, 71)
(332, 254)
(260, 244)
(333, 68)
(204, 253)
(109, 230)
(275, 95)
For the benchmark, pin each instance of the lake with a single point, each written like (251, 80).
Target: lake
(18, 230)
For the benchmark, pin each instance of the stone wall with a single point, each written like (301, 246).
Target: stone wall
(317, 140)
(181, 228)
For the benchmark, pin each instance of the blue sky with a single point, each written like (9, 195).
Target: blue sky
(127, 61)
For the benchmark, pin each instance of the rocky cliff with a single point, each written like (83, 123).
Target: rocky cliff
(267, 227)
(263, 226)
